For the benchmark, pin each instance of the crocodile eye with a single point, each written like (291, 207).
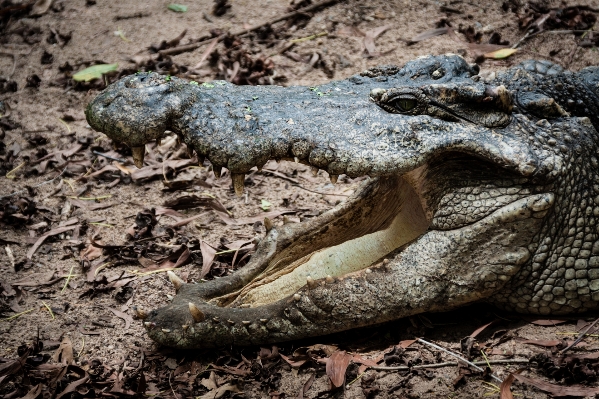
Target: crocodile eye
(405, 104)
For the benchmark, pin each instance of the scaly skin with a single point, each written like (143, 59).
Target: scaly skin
(493, 185)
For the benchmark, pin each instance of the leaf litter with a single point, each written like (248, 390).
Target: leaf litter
(82, 162)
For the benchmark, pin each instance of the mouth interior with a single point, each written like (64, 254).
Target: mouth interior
(353, 254)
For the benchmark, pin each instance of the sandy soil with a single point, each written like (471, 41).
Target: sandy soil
(54, 111)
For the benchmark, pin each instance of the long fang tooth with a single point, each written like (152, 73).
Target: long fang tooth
(238, 179)
(196, 313)
(268, 224)
(329, 279)
(138, 155)
(175, 280)
(296, 159)
(310, 282)
(334, 178)
(314, 171)
(140, 313)
(217, 171)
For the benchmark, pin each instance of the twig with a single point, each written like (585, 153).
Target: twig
(318, 192)
(37, 185)
(121, 160)
(458, 357)
(580, 337)
(447, 364)
(14, 316)
(193, 46)
(49, 310)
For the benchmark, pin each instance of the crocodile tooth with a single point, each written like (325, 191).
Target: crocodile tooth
(149, 324)
(216, 319)
(368, 271)
(297, 297)
(166, 330)
(314, 170)
(334, 178)
(246, 323)
(231, 322)
(311, 283)
(140, 313)
(185, 327)
(238, 179)
(264, 320)
(296, 159)
(175, 280)
(329, 279)
(138, 156)
(196, 313)
(268, 224)
(217, 171)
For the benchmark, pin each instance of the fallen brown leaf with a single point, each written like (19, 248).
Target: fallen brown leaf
(64, 353)
(558, 391)
(128, 319)
(337, 366)
(370, 36)
(52, 232)
(208, 255)
(428, 34)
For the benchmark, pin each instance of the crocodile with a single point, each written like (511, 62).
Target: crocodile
(477, 190)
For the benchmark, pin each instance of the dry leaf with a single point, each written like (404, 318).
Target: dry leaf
(558, 390)
(64, 353)
(40, 7)
(428, 34)
(337, 366)
(504, 389)
(208, 254)
(128, 319)
(34, 392)
(371, 35)
(501, 54)
(52, 232)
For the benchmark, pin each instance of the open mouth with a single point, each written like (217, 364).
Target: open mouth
(373, 224)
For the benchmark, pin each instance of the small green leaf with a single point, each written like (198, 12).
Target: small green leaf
(501, 53)
(94, 72)
(177, 7)
(208, 85)
(265, 205)
(193, 82)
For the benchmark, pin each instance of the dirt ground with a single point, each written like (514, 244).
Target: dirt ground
(67, 291)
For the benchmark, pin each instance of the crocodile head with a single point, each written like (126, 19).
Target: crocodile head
(478, 190)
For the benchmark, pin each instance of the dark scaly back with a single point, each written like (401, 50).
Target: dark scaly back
(534, 83)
